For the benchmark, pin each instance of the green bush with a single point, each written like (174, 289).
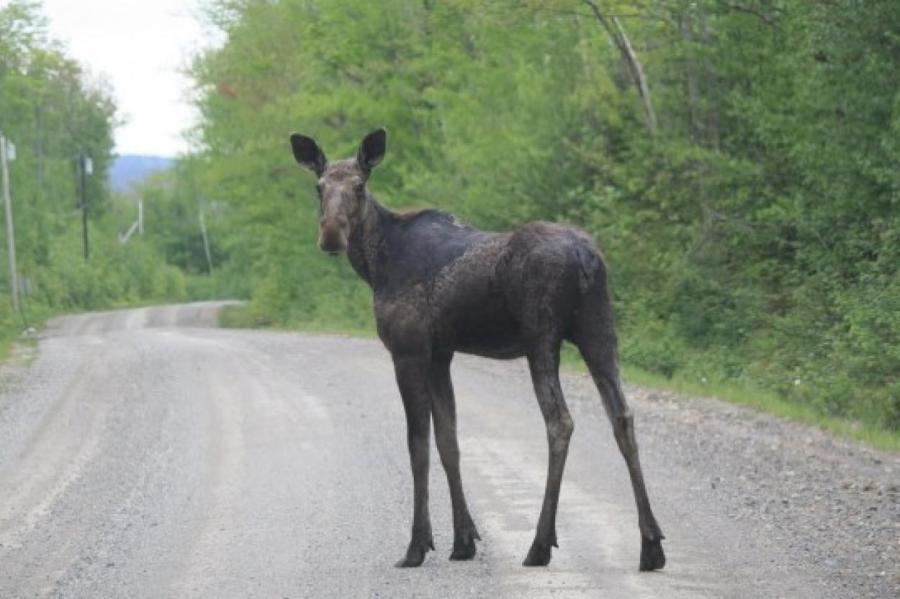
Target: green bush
(653, 346)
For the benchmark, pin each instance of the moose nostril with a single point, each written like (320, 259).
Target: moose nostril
(332, 241)
(332, 244)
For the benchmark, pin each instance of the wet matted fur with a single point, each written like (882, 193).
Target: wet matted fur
(442, 287)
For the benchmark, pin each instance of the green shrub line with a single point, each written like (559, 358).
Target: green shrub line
(683, 382)
(691, 384)
(753, 237)
(748, 210)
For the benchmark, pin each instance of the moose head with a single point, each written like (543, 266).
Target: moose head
(341, 185)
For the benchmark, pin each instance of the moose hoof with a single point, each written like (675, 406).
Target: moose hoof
(652, 556)
(415, 555)
(538, 555)
(464, 546)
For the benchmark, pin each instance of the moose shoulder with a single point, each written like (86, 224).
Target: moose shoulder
(442, 287)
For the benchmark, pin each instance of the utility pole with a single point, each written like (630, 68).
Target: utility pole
(85, 168)
(5, 152)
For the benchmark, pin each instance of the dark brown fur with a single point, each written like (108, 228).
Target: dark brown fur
(442, 287)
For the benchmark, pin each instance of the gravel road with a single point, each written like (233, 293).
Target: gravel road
(144, 453)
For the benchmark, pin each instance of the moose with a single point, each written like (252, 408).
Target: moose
(442, 287)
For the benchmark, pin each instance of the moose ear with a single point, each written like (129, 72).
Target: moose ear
(371, 150)
(308, 153)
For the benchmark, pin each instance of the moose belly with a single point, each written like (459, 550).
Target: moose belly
(487, 333)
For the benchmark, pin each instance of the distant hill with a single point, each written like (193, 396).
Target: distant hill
(129, 169)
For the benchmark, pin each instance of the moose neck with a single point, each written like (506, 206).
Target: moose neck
(367, 243)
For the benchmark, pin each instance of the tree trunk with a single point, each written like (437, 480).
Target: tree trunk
(614, 28)
(695, 125)
(712, 88)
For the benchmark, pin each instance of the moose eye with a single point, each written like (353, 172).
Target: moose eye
(319, 188)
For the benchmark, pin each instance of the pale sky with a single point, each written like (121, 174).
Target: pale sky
(138, 47)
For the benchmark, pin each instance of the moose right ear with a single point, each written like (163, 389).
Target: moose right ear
(371, 150)
(308, 153)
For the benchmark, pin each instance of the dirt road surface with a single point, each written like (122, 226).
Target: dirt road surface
(145, 453)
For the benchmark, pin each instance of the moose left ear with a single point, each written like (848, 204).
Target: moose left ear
(308, 153)
(372, 149)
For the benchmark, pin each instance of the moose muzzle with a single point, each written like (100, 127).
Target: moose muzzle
(333, 234)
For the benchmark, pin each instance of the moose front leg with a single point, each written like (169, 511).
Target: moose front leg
(412, 378)
(444, 412)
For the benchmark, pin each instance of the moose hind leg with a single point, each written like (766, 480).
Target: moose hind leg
(444, 414)
(544, 368)
(602, 363)
(652, 556)
(412, 378)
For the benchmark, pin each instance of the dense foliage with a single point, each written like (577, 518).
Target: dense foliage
(738, 161)
(52, 111)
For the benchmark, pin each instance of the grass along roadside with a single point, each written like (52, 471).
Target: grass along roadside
(240, 317)
(759, 399)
